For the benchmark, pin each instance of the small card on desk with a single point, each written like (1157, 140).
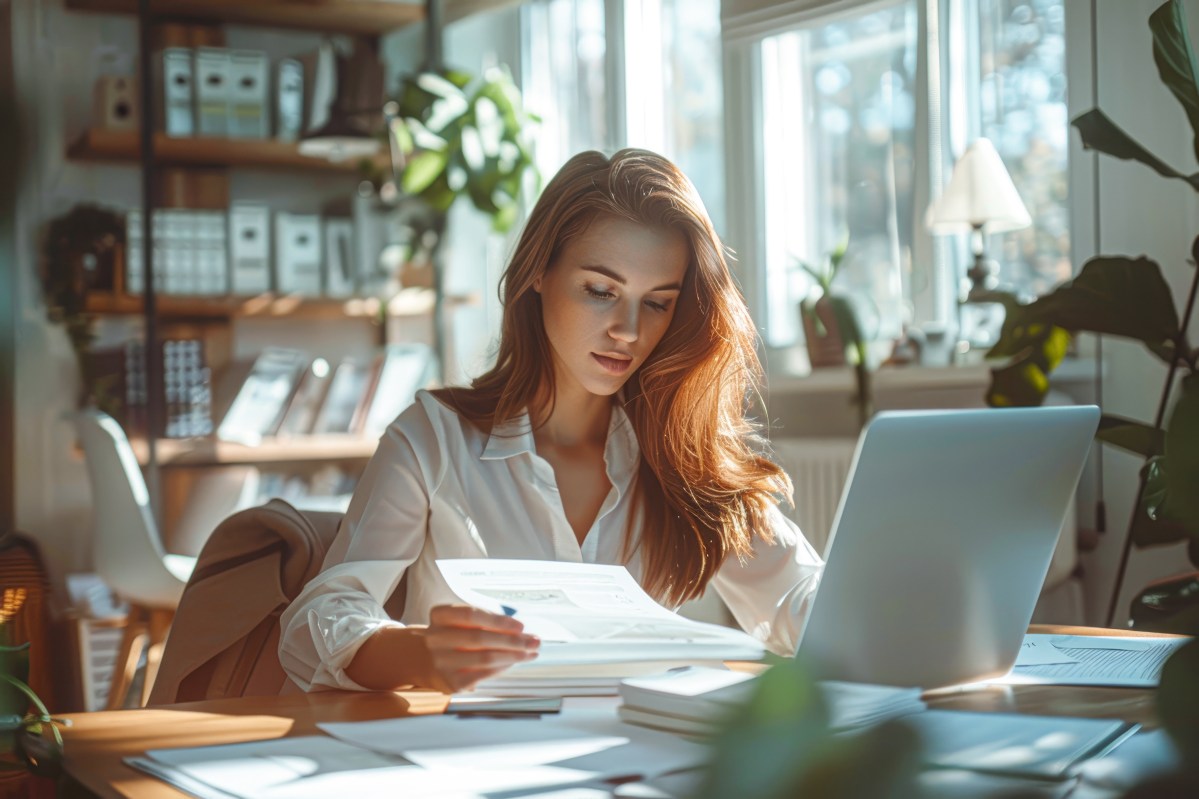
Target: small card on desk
(471, 705)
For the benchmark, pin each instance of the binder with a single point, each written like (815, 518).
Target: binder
(248, 79)
(249, 249)
(177, 87)
(135, 277)
(298, 254)
(339, 258)
(212, 68)
(211, 253)
(289, 100)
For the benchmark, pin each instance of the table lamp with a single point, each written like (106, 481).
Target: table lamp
(981, 199)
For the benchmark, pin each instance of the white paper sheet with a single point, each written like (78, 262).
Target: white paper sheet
(317, 767)
(1098, 660)
(590, 742)
(1038, 650)
(590, 613)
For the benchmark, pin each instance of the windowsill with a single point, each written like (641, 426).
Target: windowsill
(821, 403)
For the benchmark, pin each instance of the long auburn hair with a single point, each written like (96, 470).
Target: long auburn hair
(703, 488)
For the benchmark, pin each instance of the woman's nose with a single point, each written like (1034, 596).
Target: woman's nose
(625, 323)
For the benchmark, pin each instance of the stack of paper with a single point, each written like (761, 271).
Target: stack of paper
(1092, 660)
(692, 701)
(595, 622)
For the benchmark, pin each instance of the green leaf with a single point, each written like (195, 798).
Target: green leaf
(423, 170)
(1111, 295)
(1100, 133)
(1131, 435)
(1182, 451)
(1037, 348)
(1176, 61)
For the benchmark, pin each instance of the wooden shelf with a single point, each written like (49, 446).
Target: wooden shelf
(363, 17)
(409, 302)
(298, 449)
(122, 146)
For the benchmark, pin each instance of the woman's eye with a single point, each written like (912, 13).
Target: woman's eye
(599, 294)
(661, 307)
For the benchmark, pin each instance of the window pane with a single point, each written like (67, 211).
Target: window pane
(688, 99)
(838, 127)
(564, 78)
(1022, 97)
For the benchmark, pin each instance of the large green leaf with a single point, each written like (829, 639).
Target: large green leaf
(1182, 452)
(1116, 296)
(1176, 61)
(423, 170)
(1038, 348)
(1131, 435)
(1100, 133)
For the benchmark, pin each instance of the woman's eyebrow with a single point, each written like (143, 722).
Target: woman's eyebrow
(606, 272)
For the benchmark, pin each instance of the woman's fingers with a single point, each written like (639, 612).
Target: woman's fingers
(468, 645)
(467, 616)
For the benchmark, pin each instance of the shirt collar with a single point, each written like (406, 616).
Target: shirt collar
(515, 437)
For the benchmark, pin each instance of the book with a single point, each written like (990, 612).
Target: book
(263, 396)
(1127, 661)
(694, 697)
(344, 405)
(589, 617)
(402, 370)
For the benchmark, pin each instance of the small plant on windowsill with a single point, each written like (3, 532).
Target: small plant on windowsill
(832, 328)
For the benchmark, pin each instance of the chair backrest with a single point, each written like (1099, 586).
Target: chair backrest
(127, 550)
(225, 638)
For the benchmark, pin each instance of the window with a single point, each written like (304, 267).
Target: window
(606, 74)
(857, 110)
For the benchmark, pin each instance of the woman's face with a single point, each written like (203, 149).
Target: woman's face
(607, 301)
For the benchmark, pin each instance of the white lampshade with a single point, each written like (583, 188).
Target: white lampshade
(980, 194)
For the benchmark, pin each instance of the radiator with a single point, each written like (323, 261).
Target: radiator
(818, 468)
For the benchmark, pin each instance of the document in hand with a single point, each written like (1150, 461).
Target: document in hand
(588, 615)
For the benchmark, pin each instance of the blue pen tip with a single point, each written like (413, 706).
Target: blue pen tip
(508, 611)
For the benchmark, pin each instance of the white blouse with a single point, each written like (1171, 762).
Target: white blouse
(438, 487)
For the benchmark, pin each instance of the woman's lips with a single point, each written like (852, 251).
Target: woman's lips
(616, 366)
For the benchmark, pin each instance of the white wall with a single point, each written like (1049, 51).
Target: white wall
(1139, 213)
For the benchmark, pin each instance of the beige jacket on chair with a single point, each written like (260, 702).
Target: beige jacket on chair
(224, 640)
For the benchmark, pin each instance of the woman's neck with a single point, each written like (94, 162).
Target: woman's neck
(577, 419)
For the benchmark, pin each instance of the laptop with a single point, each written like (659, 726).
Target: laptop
(941, 543)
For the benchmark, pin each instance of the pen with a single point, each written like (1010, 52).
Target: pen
(508, 610)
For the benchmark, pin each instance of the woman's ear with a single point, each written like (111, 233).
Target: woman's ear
(537, 284)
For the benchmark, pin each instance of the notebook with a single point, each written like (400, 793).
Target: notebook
(941, 543)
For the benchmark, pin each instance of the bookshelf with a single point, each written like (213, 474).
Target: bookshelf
(359, 17)
(409, 302)
(223, 323)
(122, 146)
(272, 450)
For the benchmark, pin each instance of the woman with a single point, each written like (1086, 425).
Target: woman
(612, 429)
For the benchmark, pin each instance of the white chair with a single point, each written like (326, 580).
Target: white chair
(128, 551)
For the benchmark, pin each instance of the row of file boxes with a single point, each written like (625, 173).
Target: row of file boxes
(213, 91)
(247, 251)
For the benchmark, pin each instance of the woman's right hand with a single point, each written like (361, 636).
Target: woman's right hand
(461, 646)
(467, 645)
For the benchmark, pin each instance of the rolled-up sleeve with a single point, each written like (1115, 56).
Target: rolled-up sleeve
(381, 536)
(770, 593)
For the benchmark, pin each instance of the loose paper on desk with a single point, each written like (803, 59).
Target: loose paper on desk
(317, 767)
(590, 742)
(1091, 660)
(590, 613)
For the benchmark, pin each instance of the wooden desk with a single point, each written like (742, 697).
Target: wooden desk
(97, 742)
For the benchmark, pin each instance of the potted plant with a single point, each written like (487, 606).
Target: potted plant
(832, 330)
(1129, 298)
(29, 737)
